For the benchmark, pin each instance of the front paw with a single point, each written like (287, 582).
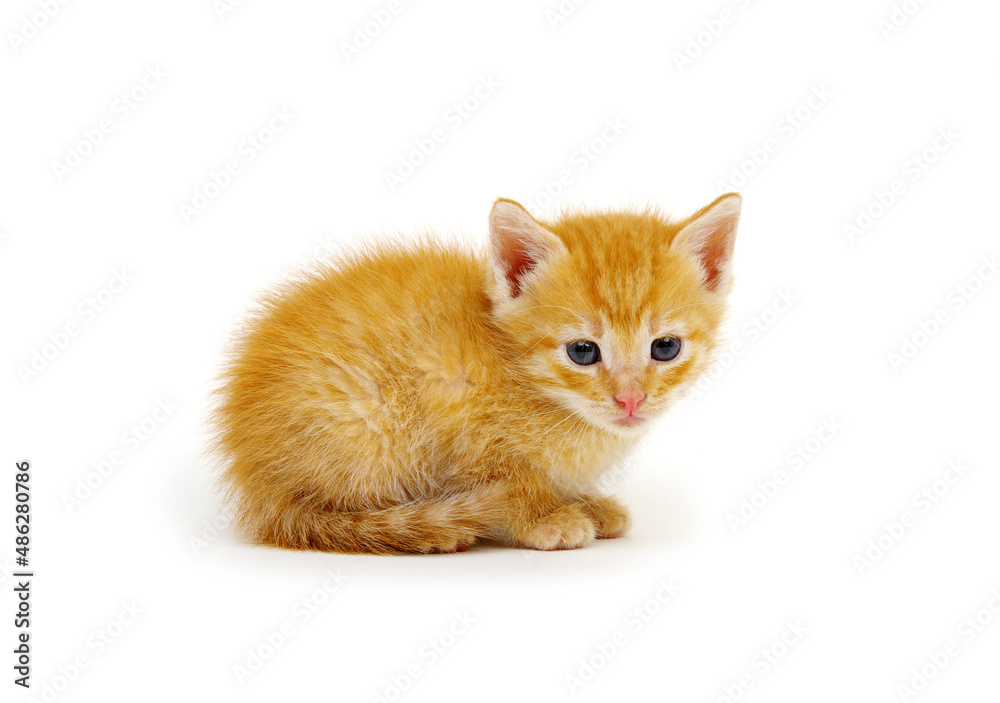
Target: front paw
(569, 527)
(611, 518)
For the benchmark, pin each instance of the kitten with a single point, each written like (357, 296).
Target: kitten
(418, 398)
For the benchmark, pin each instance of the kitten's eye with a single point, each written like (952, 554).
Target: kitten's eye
(583, 353)
(666, 348)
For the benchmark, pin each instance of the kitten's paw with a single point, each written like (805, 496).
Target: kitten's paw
(447, 543)
(611, 518)
(568, 527)
(460, 548)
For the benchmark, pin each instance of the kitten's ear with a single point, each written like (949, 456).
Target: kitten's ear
(709, 236)
(519, 245)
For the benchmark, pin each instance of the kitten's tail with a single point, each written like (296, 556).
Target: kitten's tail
(440, 524)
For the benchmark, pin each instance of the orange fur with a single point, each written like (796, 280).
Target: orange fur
(418, 398)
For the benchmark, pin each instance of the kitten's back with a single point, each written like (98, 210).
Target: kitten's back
(378, 345)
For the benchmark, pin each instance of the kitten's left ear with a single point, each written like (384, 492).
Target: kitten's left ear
(519, 246)
(709, 236)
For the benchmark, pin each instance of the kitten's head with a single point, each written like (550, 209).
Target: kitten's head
(612, 315)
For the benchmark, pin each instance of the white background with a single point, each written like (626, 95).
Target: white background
(736, 113)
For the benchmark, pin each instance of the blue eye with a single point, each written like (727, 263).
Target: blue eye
(666, 348)
(583, 353)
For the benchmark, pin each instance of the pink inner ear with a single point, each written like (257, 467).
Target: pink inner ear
(519, 262)
(714, 254)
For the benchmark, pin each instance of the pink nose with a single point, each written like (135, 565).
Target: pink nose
(630, 399)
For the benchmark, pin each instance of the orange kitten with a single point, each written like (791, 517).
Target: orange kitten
(416, 399)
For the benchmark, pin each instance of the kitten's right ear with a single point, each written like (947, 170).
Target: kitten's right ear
(519, 245)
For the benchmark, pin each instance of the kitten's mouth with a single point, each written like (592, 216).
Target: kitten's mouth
(629, 420)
